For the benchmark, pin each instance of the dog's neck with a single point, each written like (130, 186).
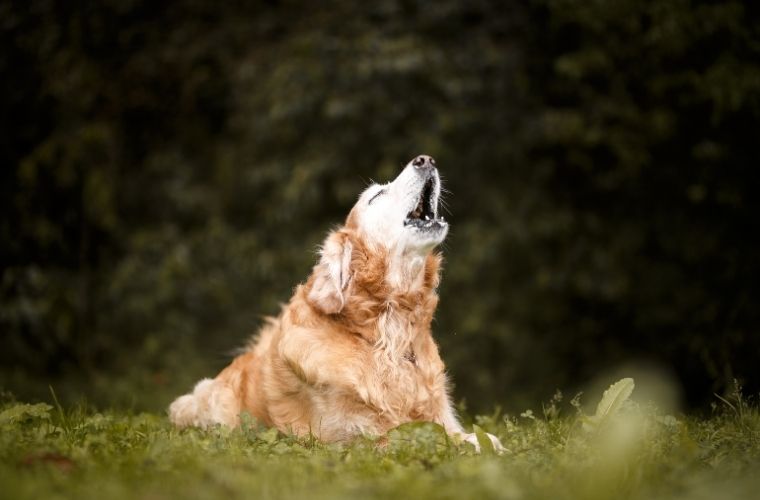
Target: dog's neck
(390, 298)
(409, 310)
(406, 273)
(396, 336)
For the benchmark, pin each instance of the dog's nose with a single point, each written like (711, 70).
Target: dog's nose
(423, 161)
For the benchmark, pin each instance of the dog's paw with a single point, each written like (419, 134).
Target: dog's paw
(472, 438)
(211, 403)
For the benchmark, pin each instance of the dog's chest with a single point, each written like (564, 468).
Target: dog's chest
(404, 387)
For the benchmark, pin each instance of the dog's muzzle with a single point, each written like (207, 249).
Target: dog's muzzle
(424, 216)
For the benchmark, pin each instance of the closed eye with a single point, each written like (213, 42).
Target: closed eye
(382, 191)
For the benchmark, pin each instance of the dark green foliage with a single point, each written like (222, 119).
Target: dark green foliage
(169, 171)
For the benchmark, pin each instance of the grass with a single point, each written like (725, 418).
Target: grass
(637, 452)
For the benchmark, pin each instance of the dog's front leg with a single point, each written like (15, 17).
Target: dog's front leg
(451, 423)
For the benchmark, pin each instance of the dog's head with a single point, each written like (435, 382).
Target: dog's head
(402, 215)
(396, 225)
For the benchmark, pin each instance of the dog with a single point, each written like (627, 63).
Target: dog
(352, 352)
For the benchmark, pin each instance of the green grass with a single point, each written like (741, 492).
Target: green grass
(48, 452)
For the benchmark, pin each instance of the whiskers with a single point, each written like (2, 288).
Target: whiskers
(444, 193)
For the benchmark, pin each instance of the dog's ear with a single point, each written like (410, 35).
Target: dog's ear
(332, 275)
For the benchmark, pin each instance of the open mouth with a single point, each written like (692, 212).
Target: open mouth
(425, 213)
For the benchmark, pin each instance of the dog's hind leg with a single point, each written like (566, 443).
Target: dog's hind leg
(211, 402)
(220, 401)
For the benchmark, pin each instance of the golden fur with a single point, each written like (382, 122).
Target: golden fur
(351, 353)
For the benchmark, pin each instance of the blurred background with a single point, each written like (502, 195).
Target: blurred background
(168, 170)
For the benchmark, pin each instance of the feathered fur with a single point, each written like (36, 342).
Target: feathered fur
(351, 353)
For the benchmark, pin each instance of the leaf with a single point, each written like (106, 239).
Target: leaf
(611, 402)
(486, 446)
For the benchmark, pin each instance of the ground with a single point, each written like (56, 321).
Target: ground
(634, 451)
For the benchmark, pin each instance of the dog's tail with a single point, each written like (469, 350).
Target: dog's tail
(211, 402)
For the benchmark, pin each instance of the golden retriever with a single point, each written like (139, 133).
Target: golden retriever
(352, 352)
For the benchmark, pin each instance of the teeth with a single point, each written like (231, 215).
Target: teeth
(427, 217)
(443, 218)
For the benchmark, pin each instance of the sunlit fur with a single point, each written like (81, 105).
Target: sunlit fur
(352, 352)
